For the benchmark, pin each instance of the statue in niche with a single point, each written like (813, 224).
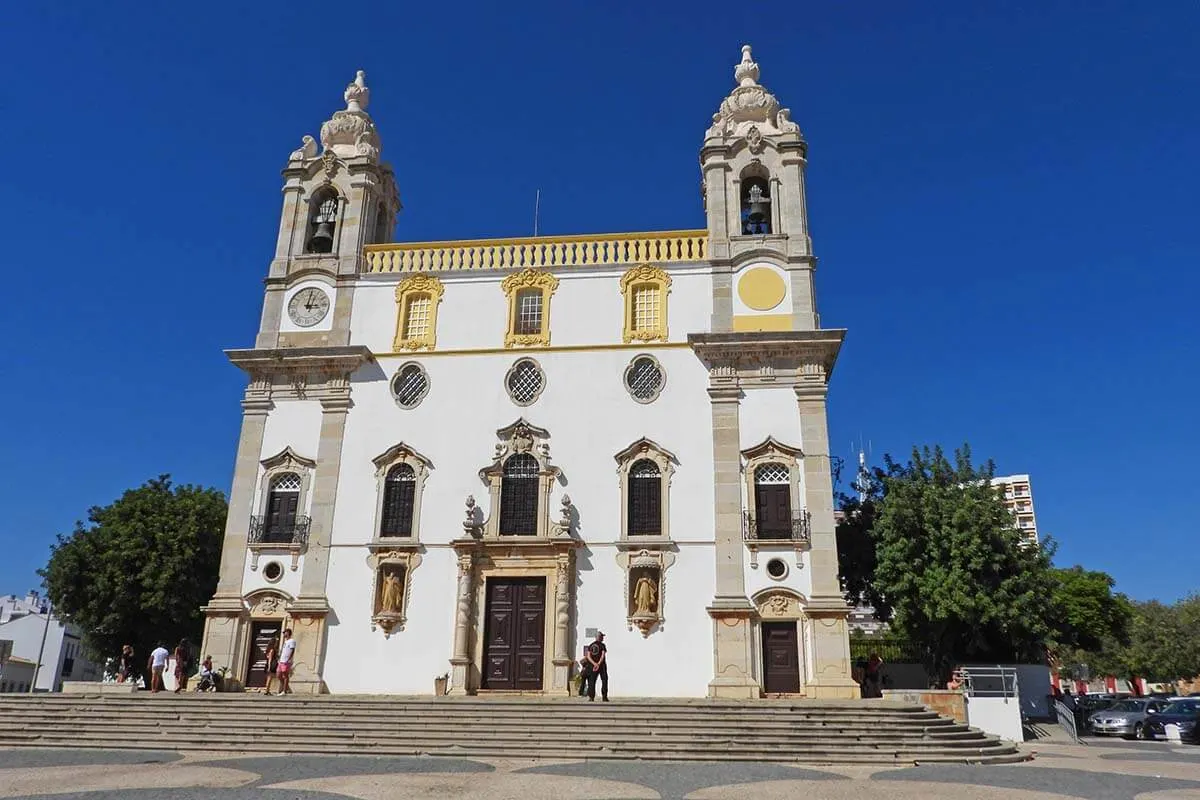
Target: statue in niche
(645, 597)
(391, 595)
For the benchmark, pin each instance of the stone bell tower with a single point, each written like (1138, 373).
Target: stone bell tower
(337, 199)
(766, 351)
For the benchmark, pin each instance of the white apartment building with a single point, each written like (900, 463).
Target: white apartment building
(23, 621)
(1018, 498)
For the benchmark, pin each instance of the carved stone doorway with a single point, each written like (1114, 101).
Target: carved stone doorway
(262, 636)
(514, 634)
(780, 658)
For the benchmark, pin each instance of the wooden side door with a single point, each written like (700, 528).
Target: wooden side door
(514, 634)
(781, 658)
(262, 636)
(772, 511)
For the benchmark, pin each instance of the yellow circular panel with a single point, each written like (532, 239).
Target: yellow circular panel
(761, 288)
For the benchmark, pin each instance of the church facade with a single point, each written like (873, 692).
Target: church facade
(459, 460)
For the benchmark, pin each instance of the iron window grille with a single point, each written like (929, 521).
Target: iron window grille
(264, 530)
(519, 496)
(799, 530)
(645, 499)
(399, 494)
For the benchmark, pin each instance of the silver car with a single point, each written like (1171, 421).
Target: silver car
(1125, 718)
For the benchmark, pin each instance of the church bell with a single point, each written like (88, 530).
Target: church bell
(760, 208)
(322, 238)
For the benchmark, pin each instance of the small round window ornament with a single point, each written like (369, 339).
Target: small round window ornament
(525, 382)
(777, 569)
(644, 379)
(410, 385)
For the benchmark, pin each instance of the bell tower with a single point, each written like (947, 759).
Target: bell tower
(337, 198)
(753, 161)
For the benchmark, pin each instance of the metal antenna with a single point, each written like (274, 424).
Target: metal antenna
(537, 207)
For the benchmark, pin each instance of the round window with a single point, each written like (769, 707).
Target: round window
(273, 571)
(777, 568)
(410, 385)
(644, 379)
(525, 382)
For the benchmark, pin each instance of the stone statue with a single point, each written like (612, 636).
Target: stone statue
(391, 597)
(645, 594)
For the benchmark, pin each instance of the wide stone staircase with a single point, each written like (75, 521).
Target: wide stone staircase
(796, 731)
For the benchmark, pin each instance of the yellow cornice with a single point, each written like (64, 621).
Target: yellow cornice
(559, 348)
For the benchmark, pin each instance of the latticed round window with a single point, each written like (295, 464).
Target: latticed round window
(644, 379)
(772, 474)
(777, 569)
(525, 382)
(410, 385)
(273, 571)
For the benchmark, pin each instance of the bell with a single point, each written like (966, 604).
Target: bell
(322, 238)
(759, 206)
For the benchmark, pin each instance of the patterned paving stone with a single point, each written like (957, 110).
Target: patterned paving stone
(1054, 780)
(21, 758)
(282, 769)
(190, 794)
(675, 780)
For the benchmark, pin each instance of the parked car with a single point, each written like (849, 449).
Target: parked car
(1184, 713)
(1125, 718)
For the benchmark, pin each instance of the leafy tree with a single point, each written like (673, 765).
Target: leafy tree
(1086, 612)
(140, 570)
(856, 548)
(961, 581)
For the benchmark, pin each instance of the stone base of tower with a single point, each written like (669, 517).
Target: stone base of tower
(733, 651)
(829, 643)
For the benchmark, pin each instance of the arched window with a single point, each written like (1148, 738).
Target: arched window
(418, 298)
(322, 222)
(283, 500)
(756, 206)
(645, 290)
(528, 295)
(519, 496)
(773, 501)
(382, 230)
(399, 498)
(645, 499)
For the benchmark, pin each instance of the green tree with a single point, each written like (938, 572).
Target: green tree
(140, 570)
(1086, 612)
(962, 583)
(856, 548)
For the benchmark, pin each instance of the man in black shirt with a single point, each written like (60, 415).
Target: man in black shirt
(597, 657)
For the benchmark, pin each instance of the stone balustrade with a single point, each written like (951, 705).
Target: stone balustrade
(659, 247)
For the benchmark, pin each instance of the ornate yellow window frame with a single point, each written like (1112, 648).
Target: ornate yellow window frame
(645, 275)
(409, 288)
(528, 278)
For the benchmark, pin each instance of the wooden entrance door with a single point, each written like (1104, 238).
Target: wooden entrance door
(781, 658)
(262, 636)
(514, 633)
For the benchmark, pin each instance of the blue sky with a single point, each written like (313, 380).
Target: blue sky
(1001, 196)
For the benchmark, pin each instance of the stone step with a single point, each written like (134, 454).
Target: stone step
(983, 755)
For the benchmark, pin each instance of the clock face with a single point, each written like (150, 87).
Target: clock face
(308, 307)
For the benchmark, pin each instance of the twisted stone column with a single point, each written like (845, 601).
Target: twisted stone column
(460, 662)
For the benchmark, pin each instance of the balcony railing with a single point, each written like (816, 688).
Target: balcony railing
(800, 529)
(658, 247)
(264, 531)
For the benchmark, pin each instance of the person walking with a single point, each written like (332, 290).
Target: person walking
(872, 685)
(182, 656)
(287, 652)
(157, 663)
(597, 657)
(125, 664)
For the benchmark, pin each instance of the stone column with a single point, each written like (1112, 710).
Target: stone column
(731, 612)
(224, 611)
(310, 609)
(829, 640)
(460, 662)
(565, 575)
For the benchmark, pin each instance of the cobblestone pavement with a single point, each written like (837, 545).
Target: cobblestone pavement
(1101, 771)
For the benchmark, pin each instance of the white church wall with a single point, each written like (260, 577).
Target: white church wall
(798, 578)
(674, 660)
(255, 579)
(586, 309)
(769, 412)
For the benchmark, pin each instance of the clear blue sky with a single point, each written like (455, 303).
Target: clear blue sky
(1003, 198)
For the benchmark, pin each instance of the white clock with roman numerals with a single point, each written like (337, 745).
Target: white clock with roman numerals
(308, 306)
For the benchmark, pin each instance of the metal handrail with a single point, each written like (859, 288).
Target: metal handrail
(263, 532)
(800, 529)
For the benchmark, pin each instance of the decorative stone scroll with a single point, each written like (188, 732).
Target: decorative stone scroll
(645, 587)
(391, 588)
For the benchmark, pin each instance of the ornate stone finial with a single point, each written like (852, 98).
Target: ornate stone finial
(750, 108)
(470, 508)
(745, 73)
(358, 96)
